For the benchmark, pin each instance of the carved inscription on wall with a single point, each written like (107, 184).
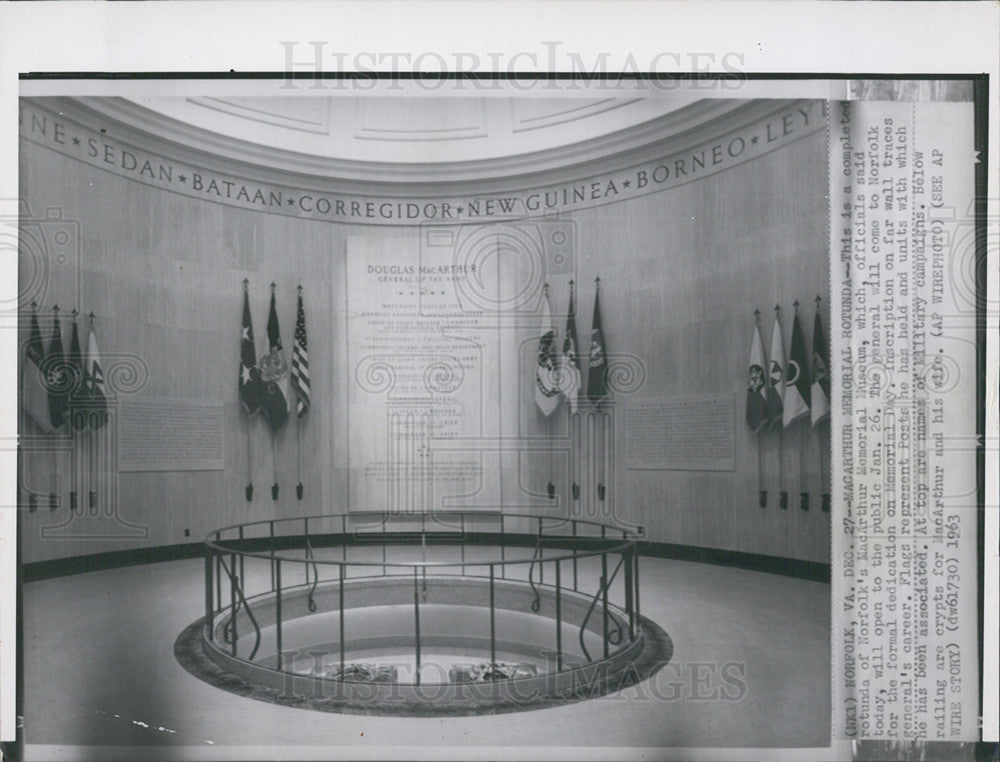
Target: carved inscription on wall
(681, 433)
(170, 435)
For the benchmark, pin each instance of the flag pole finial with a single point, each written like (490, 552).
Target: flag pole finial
(300, 288)
(272, 286)
(756, 314)
(818, 300)
(545, 288)
(777, 308)
(55, 308)
(91, 316)
(246, 284)
(597, 279)
(34, 305)
(796, 305)
(571, 283)
(74, 313)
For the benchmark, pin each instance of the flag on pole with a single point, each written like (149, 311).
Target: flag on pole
(569, 375)
(820, 373)
(274, 374)
(300, 362)
(796, 400)
(93, 375)
(597, 369)
(57, 379)
(78, 390)
(775, 373)
(249, 380)
(757, 414)
(34, 394)
(546, 381)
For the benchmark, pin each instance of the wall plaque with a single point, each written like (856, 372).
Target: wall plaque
(681, 433)
(165, 434)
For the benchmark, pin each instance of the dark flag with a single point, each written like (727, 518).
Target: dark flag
(78, 390)
(249, 382)
(93, 374)
(34, 394)
(300, 362)
(569, 377)
(57, 379)
(775, 373)
(757, 414)
(796, 402)
(597, 370)
(274, 374)
(820, 374)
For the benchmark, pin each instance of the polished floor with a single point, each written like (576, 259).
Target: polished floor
(750, 669)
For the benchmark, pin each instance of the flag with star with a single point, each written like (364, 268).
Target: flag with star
(34, 393)
(300, 362)
(597, 368)
(93, 374)
(274, 374)
(57, 379)
(249, 380)
(796, 400)
(820, 374)
(546, 381)
(756, 387)
(569, 376)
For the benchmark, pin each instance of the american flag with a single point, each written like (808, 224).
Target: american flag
(300, 362)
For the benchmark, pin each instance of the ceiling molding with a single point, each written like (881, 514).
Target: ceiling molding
(685, 126)
(318, 124)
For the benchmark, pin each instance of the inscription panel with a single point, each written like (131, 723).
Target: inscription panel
(681, 434)
(170, 435)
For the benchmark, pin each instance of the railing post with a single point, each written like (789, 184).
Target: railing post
(305, 552)
(503, 549)
(218, 580)
(559, 649)
(243, 574)
(604, 588)
(416, 626)
(341, 622)
(493, 623)
(208, 594)
(277, 609)
(635, 582)
(232, 599)
(628, 593)
(271, 532)
(541, 554)
(575, 588)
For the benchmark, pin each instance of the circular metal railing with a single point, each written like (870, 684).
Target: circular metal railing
(258, 574)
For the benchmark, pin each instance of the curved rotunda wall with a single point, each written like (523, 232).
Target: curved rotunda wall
(159, 239)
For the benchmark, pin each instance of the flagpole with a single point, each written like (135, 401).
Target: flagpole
(92, 429)
(820, 430)
(248, 490)
(803, 493)
(32, 497)
(782, 494)
(299, 489)
(761, 492)
(274, 462)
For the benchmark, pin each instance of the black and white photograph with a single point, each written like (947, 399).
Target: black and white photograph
(396, 415)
